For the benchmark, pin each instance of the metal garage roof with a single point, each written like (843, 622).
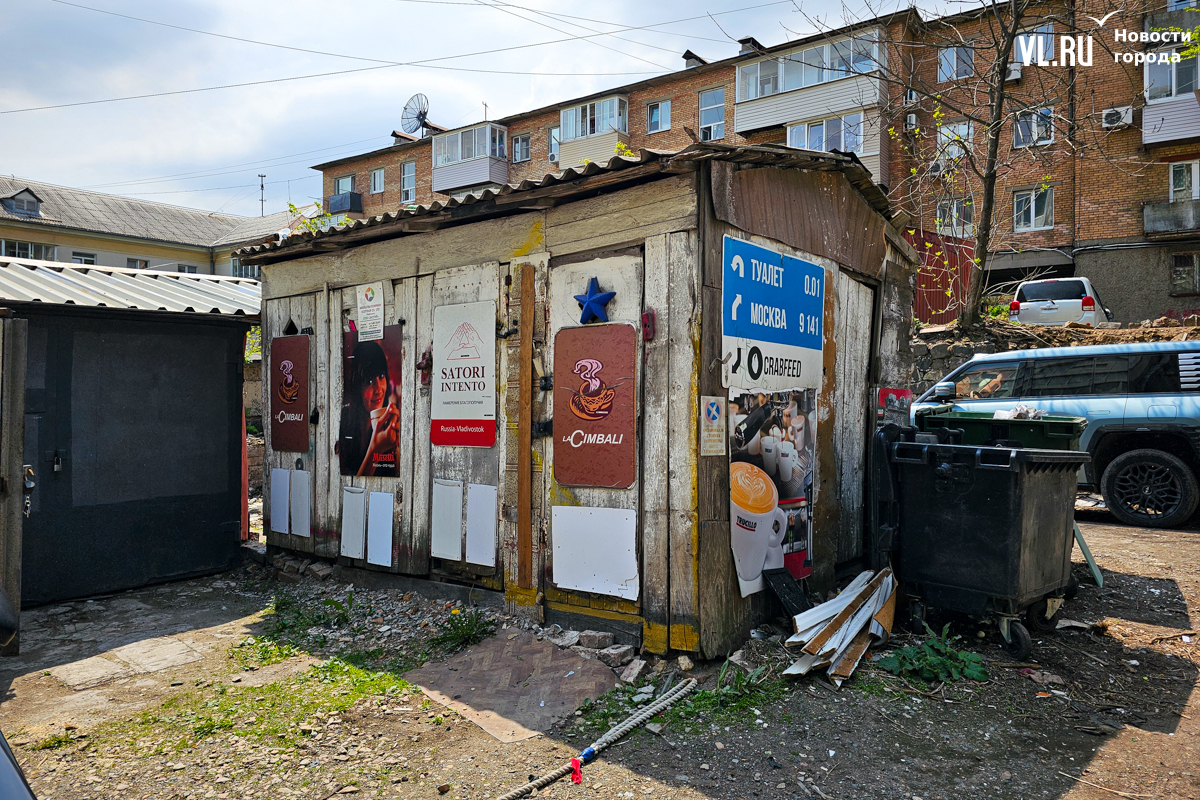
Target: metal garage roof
(24, 280)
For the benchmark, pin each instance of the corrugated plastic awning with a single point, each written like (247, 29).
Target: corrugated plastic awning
(30, 281)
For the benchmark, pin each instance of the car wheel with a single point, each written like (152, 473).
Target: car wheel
(1151, 488)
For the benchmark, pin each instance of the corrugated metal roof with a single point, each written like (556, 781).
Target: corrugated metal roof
(25, 280)
(761, 154)
(63, 207)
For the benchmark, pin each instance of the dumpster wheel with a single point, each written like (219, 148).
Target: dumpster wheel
(1017, 642)
(1036, 615)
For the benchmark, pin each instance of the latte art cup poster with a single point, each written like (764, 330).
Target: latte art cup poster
(369, 433)
(289, 394)
(772, 442)
(595, 379)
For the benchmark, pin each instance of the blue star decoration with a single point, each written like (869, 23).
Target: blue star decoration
(593, 303)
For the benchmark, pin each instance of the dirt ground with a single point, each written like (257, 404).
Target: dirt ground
(243, 686)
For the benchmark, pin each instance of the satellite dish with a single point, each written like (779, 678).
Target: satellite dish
(415, 112)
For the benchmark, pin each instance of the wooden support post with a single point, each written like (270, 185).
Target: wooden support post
(12, 445)
(525, 434)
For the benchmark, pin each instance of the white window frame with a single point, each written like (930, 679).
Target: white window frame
(552, 143)
(1039, 122)
(963, 66)
(1032, 196)
(663, 122)
(956, 217)
(1194, 168)
(954, 140)
(339, 183)
(521, 148)
(597, 118)
(1045, 32)
(239, 270)
(808, 66)
(1172, 76)
(87, 259)
(188, 269)
(35, 250)
(377, 181)
(138, 263)
(478, 141)
(708, 132)
(800, 135)
(408, 182)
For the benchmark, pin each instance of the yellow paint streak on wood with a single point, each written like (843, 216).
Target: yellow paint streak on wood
(685, 637)
(599, 613)
(522, 597)
(559, 495)
(614, 604)
(532, 241)
(655, 638)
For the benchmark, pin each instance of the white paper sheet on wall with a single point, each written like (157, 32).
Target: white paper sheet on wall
(379, 529)
(481, 524)
(301, 502)
(595, 550)
(446, 535)
(280, 485)
(354, 521)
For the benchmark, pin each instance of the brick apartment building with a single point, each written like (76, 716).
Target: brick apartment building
(811, 93)
(1100, 163)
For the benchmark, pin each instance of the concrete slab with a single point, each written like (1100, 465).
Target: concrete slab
(155, 655)
(88, 672)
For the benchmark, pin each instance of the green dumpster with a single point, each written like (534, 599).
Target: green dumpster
(980, 428)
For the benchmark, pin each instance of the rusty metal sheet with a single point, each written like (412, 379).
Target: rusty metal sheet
(289, 394)
(595, 371)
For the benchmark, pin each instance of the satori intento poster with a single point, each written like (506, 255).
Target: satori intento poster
(463, 409)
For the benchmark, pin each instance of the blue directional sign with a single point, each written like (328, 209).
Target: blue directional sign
(773, 309)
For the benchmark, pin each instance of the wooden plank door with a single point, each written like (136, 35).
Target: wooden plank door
(853, 304)
(13, 335)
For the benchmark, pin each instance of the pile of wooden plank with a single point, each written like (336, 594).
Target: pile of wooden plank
(835, 635)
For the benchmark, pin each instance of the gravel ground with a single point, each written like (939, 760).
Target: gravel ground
(300, 693)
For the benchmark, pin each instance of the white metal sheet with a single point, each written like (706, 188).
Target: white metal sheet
(595, 550)
(379, 529)
(354, 522)
(301, 502)
(446, 536)
(481, 524)
(280, 484)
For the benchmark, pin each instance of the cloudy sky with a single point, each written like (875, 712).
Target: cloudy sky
(205, 149)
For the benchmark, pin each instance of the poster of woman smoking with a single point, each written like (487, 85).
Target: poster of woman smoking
(369, 435)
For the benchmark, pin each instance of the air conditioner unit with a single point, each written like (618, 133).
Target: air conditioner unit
(936, 167)
(1014, 72)
(910, 97)
(910, 122)
(1119, 117)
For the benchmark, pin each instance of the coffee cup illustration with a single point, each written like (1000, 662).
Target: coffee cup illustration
(770, 453)
(757, 525)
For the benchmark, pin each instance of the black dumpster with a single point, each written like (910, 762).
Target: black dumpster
(985, 531)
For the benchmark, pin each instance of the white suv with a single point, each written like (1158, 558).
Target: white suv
(1057, 301)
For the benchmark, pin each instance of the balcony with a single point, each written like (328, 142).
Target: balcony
(345, 203)
(462, 174)
(1167, 220)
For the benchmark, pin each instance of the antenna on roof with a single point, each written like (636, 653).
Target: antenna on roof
(262, 195)
(415, 116)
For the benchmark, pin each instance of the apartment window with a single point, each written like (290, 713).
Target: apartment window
(1033, 210)
(552, 140)
(658, 116)
(712, 115)
(335, 220)
(43, 252)
(408, 182)
(1185, 273)
(25, 205)
(343, 184)
(955, 63)
(376, 181)
(808, 67)
(954, 140)
(590, 119)
(1179, 5)
(1034, 127)
(188, 269)
(472, 143)
(1185, 181)
(1164, 81)
(1035, 44)
(520, 148)
(956, 217)
(836, 133)
(239, 270)
(138, 263)
(83, 258)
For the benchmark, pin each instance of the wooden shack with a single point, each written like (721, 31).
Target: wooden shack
(532, 390)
